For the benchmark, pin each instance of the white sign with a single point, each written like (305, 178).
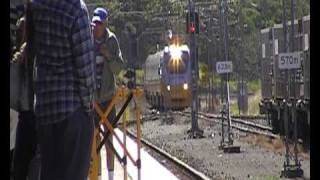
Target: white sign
(289, 60)
(306, 42)
(224, 67)
(263, 50)
(276, 52)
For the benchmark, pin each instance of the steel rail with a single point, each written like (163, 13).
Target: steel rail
(195, 173)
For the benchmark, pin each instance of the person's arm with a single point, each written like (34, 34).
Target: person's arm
(83, 53)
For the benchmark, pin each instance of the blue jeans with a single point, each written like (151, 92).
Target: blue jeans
(65, 147)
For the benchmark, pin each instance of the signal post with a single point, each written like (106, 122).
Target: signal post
(192, 20)
(290, 61)
(225, 68)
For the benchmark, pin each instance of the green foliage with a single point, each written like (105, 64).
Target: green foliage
(139, 75)
(303, 8)
(234, 109)
(145, 14)
(216, 80)
(233, 86)
(270, 12)
(254, 86)
(203, 73)
(253, 103)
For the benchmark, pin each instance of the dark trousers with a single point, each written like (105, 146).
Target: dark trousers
(65, 147)
(25, 145)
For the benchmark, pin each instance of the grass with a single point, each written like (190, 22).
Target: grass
(234, 108)
(254, 88)
(253, 103)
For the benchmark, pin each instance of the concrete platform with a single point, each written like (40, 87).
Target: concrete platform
(150, 168)
(118, 170)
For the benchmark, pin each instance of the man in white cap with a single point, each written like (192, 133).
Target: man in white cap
(109, 62)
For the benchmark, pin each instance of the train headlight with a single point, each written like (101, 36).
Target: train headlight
(175, 52)
(168, 87)
(185, 86)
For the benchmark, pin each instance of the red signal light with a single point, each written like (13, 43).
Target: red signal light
(192, 23)
(192, 28)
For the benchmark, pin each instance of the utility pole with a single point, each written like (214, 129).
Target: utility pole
(226, 146)
(286, 49)
(194, 132)
(290, 170)
(242, 85)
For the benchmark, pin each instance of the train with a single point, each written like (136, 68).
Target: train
(167, 78)
(275, 86)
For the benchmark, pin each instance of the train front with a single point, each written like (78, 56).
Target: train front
(176, 77)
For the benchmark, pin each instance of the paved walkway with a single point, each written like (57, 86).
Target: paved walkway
(150, 168)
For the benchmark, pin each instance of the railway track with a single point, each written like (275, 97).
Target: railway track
(179, 168)
(237, 122)
(242, 123)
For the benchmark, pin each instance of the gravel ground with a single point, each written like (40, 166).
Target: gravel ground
(260, 158)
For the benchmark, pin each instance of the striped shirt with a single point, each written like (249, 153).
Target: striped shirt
(64, 71)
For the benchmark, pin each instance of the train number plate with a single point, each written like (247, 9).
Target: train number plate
(289, 60)
(224, 67)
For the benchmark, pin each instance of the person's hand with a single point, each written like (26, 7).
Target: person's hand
(20, 55)
(104, 51)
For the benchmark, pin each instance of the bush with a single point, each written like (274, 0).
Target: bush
(254, 86)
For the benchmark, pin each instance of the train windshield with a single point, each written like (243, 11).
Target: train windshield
(178, 62)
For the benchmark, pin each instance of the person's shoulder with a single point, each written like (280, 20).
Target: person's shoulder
(67, 7)
(111, 35)
(79, 4)
(80, 7)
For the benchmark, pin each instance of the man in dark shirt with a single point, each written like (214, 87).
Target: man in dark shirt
(62, 44)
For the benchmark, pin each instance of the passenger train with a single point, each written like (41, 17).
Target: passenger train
(168, 78)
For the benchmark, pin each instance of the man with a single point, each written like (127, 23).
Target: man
(109, 62)
(64, 85)
(25, 142)
(16, 11)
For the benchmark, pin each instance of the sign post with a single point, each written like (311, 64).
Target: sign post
(195, 131)
(225, 68)
(290, 62)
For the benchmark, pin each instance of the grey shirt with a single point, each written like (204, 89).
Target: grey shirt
(111, 67)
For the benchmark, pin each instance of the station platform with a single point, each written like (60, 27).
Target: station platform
(150, 167)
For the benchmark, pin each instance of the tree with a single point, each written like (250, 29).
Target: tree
(161, 15)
